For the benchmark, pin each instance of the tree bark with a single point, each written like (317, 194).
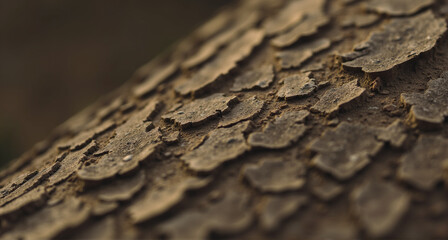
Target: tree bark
(306, 119)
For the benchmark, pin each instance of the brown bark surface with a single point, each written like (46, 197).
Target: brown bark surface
(301, 119)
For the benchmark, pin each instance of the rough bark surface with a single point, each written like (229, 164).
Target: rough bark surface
(297, 119)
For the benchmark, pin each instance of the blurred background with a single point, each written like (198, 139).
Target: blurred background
(57, 56)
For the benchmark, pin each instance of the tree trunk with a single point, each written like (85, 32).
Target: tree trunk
(306, 119)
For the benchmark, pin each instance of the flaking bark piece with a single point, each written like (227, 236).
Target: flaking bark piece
(290, 15)
(215, 25)
(281, 133)
(15, 182)
(9, 172)
(229, 216)
(151, 109)
(258, 78)
(83, 138)
(157, 201)
(334, 98)
(131, 145)
(222, 64)
(400, 41)
(211, 46)
(128, 107)
(398, 7)
(422, 167)
(314, 67)
(34, 197)
(314, 19)
(200, 110)
(345, 150)
(125, 152)
(107, 111)
(122, 189)
(394, 134)
(379, 206)
(154, 80)
(50, 221)
(275, 209)
(31, 182)
(172, 137)
(221, 145)
(70, 164)
(294, 57)
(244, 110)
(360, 20)
(323, 187)
(298, 85)
(430, 107)
(275, 175)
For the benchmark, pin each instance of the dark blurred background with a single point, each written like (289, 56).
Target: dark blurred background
(57, 56)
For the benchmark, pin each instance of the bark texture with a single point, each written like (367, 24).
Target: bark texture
(300, 119)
